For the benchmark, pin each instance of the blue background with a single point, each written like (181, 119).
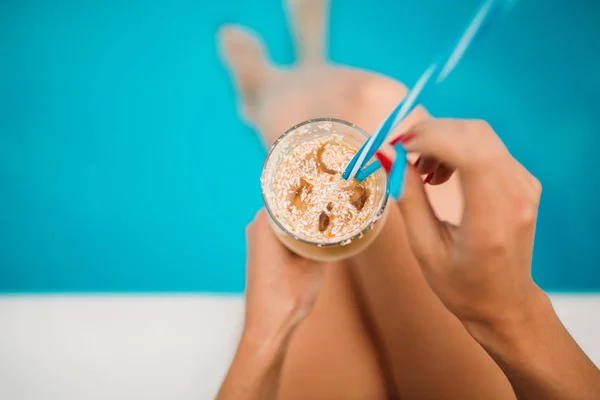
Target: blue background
(110, 112)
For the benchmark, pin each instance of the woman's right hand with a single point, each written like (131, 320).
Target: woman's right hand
(481, 269)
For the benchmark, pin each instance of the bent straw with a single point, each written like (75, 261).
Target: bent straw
(368, 170)
(398, 171)
(439, 71)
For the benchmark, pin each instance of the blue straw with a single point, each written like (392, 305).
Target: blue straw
(398, 172)
(368, 170)
(373, 143)
(435, 73)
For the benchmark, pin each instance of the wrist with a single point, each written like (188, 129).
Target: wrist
(268, 336)
(514, 332)
(271, 327)
(266, 349)
(509, 311)
(256, 367)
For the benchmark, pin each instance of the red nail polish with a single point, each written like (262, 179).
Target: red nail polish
(416, 164)
(404, 139)
(428, 178)
(385, 162)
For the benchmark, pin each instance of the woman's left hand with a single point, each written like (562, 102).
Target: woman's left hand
(281, 287)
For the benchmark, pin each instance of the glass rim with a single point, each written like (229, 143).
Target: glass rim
(377, 215)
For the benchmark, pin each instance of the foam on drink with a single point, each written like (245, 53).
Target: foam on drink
(313, 210)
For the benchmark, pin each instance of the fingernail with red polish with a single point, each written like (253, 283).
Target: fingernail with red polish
(416, 164)
(385, 162)
(404, 139)
(428, 178)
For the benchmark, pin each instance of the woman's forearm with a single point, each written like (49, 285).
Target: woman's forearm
(255, 370)
(538, 355)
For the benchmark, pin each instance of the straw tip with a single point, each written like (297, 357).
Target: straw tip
(347, 173)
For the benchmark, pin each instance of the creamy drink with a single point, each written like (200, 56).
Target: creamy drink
(313, 210)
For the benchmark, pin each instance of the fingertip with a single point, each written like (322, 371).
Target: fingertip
(427, 165)
(258, 217)
(404, 138)
(428, 178)
(384, 160)
(441, 175)
(261, 217)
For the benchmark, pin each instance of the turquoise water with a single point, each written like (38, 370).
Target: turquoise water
(110, 111)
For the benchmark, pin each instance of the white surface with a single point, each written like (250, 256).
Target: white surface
(152, 347)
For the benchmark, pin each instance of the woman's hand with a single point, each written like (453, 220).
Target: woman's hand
(480, 269)
(281, 287)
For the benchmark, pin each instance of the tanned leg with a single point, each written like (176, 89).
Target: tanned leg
(331, 355)
(428, 351)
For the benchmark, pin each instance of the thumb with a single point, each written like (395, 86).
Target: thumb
(423, 227)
